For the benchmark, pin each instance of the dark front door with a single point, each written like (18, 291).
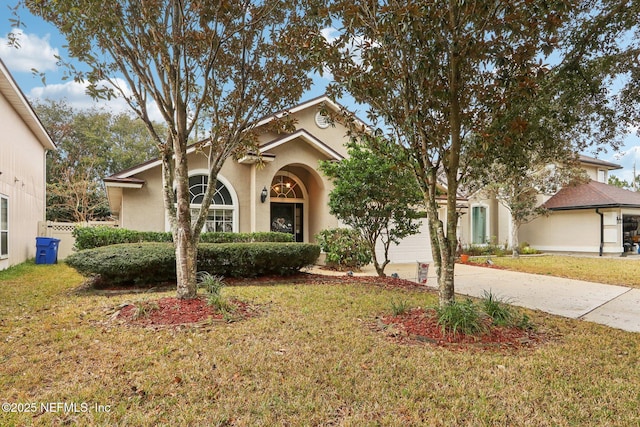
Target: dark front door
(287, 218)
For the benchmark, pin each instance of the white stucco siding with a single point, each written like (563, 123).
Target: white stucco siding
(22, 182)
(410, 249)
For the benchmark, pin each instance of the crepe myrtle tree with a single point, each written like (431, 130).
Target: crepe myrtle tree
(214, 65)
(375, 193)
(432, 74)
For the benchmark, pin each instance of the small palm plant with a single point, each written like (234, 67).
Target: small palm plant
(213, 286)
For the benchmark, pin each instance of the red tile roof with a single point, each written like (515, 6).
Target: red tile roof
(592, 195)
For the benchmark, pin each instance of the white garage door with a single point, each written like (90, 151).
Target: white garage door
(411, 249)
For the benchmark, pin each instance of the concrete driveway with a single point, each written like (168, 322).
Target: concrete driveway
(615, 306)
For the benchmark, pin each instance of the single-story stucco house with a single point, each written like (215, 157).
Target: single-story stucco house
(287, 192)
(24, 143)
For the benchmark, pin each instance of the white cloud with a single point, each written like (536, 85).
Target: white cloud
(330, 34)
(34, 52)
(74, 94)
(627, 158)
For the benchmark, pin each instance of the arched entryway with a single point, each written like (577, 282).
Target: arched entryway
(288, 197)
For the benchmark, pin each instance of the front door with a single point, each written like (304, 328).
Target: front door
(287, 218)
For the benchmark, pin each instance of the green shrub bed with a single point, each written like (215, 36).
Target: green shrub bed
(96, 237)
(151, 262)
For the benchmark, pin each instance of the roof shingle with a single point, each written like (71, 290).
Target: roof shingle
(592, 195)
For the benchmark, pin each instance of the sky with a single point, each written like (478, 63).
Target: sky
(40, 42)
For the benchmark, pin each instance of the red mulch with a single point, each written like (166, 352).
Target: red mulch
(171, 311)
(420, 325)
(417, 325)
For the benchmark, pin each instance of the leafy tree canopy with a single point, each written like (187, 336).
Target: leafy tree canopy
(375, 194)
(92, 144)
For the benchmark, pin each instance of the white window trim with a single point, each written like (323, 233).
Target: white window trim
(604, 175)
(486, 223)
(235, 206)
(7, 231)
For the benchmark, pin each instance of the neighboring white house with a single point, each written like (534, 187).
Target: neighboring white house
(23, 146)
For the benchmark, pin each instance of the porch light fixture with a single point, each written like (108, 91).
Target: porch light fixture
(619, 219)
(263, 194)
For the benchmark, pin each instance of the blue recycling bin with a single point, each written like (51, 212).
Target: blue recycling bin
(46, 250)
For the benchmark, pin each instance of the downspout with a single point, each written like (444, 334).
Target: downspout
(601, 229)
(45, 185)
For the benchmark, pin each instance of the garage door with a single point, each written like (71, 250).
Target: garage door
(411, 249)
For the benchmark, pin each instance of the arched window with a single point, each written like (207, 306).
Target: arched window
(198, 186)
(222, 211)
(284, 187)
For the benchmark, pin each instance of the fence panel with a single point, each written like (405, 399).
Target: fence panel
(64, 232)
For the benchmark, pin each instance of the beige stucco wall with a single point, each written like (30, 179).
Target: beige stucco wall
(334, 135)
(574, 231)
(142, 209)
(22, 169)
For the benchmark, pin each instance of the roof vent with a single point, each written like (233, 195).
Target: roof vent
(321, 120)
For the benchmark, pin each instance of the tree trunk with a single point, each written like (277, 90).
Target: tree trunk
(515, 241)
(372, 247)
(380, 267)
(443, 247)
(183, 237)
(446, 287)
(186, 265)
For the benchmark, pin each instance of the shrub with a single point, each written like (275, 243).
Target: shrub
(213, 286)
(220, 237)
(503, 314)
(255, 259)
(344, 247)
(127, 263)
(96, 237)
(496, 308)
(399, 306)
(461, 317)
(525, 249)
(155, 262)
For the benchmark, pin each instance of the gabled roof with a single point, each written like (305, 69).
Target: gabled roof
(122, 176)
(315, 102)
(597, 162)
(592, 195)
(305, 136)
(115, 181)
(12, 93)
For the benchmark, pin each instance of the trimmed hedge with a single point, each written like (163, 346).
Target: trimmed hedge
(264, 237)
(150, 262)
(127, 263)
(96, 237)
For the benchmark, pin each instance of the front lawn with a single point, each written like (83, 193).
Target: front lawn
(309, 357)
(623, 271)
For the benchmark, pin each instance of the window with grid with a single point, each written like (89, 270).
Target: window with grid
(220, 217)
(4, 227)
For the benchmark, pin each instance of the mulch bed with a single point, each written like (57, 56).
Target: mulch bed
(420, 325)
(416, 326)
(174, 312)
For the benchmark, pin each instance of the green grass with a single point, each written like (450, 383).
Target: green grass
(308, 359)
(613, 271)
